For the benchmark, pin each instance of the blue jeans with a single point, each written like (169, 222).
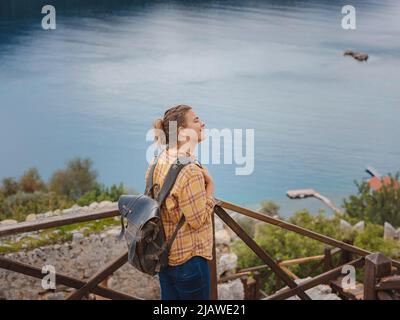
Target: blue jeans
(187, 281)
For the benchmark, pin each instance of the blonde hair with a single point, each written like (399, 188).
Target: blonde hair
(162, 133)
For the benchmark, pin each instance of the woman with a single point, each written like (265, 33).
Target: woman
(187, 276)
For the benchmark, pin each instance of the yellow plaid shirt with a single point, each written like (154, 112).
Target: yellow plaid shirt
(187, 197)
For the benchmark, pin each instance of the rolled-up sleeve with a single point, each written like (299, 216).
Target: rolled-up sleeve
(195, 205)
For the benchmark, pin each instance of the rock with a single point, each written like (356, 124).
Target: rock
(320, 292)
(84, 209)
(82, 230)
(30, 217)
(8, 222)
(114, 231)
(49, 214)
(232, 290)
(104, 204)
(2, 294)
(77, 236)
(75, 207)
(356, 55)
(345, 226)
(94, 205)
(39, 253)
(222, 237)
(55, 296)
(359, 226)
(390, 232)
(227, 262)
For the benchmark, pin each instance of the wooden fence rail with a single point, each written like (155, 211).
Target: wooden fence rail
(378, 284)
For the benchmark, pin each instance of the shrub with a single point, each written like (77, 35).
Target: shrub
(281, 244)
(376, 206)
(19, 205)
(101, 193)
(9, 187)
(77, 179)
(31, 181)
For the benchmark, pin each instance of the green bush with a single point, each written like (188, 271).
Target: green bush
(376, 206)
(75, 184)
(269, 208)
(9, 187)
(281, 244)
(31, 182)
(101, 193)
(19, 205)
(77, 179)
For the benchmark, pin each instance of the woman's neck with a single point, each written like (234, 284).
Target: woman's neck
(182, 151)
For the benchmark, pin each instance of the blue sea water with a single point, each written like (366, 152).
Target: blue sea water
(93, 87)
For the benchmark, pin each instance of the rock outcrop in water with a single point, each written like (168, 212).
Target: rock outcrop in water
(356, 55)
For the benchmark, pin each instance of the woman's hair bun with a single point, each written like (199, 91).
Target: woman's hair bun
(159, 134)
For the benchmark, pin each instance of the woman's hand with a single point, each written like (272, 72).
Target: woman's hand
(209, 183)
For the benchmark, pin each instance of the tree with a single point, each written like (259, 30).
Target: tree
(377, 206)
(269, 208)
(10, 187)
(77, 179)
(31, 181)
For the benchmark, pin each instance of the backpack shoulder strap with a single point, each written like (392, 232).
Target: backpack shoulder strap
(171, 177)
(149, 181)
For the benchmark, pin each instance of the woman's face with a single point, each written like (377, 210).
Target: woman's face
(194, 129)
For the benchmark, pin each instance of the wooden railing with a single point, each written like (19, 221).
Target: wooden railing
(381, 281)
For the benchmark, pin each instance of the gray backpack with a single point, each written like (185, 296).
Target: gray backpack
(144, 233)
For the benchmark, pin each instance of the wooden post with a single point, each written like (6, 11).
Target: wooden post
(257, 278)
(376, 266)
(252, 289)
(212, 265)
(245, 287)
(345, 256)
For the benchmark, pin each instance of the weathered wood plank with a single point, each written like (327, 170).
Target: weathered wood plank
(308, 284)
(389, 283)
(291, 227)
(56, 221)
(62, 279)
(356, 293)
(382, 295)
(98, 277)
(258, 250)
